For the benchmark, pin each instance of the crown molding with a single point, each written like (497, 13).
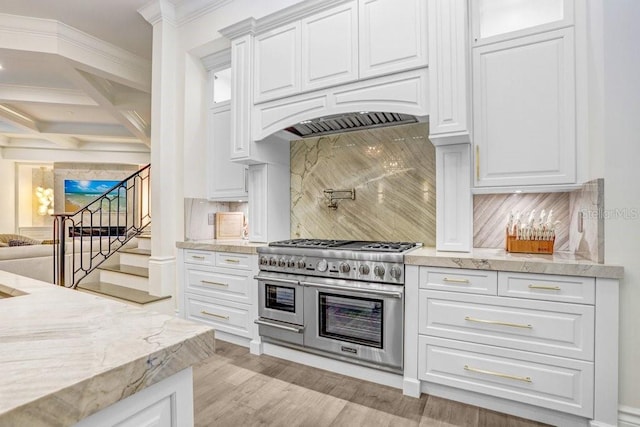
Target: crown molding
(217, 60)
(246, 26)
(293, 13)
(159, 10)
(54, 37)
(281, 17)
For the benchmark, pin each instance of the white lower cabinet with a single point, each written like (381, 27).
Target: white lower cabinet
(219, 290)
(538, 379)
(529, 339)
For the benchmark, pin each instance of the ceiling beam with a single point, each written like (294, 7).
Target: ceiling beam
(31, 126)
(47, 95)
(98, 89)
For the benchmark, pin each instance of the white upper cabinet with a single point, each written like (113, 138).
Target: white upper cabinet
(524, 109)
(330, 47)
(499, 19)
(393, 36)
(277, 63)
(227, 180)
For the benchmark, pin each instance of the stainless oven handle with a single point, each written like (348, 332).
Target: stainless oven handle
(279, 326)
(276, 280)
(364, 291)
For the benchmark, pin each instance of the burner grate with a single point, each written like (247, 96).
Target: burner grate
(388, 246)
(310, 243)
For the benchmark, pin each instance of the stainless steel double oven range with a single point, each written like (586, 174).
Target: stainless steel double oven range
(343, 299)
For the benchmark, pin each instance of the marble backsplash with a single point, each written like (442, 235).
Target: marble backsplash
(581, 228)
(392, 171)
(490, 212)
(196, 216)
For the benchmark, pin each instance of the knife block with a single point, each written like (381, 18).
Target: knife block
(529, 246)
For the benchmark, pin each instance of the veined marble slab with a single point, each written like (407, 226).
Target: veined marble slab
(562, 263)
(65, 355)
(237, 246)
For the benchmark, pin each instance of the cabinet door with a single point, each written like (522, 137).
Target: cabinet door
(241, 75)
(277, 63)
(227, 179)
(393, 36)
(330, 47)
(524, 111)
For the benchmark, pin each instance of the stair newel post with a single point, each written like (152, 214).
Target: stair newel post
(59, 240)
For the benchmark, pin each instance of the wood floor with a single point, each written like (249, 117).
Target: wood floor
(235, 388)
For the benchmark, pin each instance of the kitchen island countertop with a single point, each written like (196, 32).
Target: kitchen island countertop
(236, 246)
(560, 263)
(65, 355)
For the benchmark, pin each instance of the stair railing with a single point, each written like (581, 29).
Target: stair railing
(87, 238)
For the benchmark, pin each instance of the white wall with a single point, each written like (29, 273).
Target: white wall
(622, 177)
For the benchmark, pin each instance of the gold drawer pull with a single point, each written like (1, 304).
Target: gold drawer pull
(208, 282)
(233, 261)
(214, 315)
(454, 280)
(497, 374)
(546, 288)
(197, 257)
(498, 322)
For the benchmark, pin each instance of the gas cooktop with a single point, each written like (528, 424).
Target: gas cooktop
(352, 245)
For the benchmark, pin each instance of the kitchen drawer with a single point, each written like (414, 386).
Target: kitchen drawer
(227, 316)
(547, 287)
(199, 257)
(232, 260)
(555, 328)
(459, 280)
(220, 283)
(552, 382)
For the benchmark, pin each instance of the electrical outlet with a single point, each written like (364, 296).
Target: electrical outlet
(211, 218)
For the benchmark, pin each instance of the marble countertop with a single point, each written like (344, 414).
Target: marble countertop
(562, 263)
(65, 354)
(237, 246)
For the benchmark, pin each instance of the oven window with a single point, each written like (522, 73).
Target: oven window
(280, 298)
(351, 319)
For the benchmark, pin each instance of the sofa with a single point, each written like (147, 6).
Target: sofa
(26, 256)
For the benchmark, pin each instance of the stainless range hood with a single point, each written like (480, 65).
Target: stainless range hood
(348, 122)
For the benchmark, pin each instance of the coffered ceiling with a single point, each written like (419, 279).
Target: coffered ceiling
(76, 75)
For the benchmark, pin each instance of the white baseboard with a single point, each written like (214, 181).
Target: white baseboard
(628, 416)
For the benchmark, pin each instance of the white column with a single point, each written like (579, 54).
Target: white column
(166, 170)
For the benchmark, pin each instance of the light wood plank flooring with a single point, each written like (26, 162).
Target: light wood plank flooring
(235, 388)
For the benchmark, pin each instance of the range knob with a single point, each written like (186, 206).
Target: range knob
(273, 262)
(395, 272)
(302, 263)
(322, 265)
(364, 269)
(264, 260)
(282, 262)
(378, 270)
(344, 267)
(291, 263)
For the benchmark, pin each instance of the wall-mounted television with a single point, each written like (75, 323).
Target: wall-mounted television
(78, 193)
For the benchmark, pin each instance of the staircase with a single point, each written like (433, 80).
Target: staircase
(125, 278)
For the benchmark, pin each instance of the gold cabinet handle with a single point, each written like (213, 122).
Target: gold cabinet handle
(218, 316)
(477, 163)
(497, 374)
(498, 322)
(208, 282)
(547, 288)
(197, 257)
(454, 280)
(233, 261)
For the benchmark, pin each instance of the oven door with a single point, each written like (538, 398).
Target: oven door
(362, 321)
(280, 298)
